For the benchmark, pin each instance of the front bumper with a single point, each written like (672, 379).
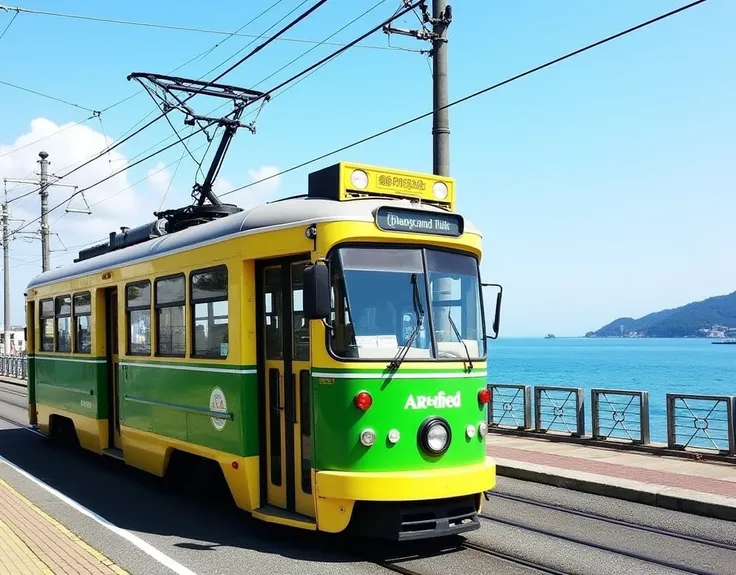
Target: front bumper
(430, 483)
(406, 505)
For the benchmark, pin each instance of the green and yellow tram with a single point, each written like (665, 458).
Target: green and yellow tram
(325, 352)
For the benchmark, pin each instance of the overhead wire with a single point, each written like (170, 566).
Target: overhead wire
(323, 42)
(172, 27)
(475, 94)
(67, 102)
(9, 25)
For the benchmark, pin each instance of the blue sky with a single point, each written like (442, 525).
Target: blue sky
(604, 185)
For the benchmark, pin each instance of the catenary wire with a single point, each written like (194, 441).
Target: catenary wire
(9, 25)
(18, 9)
(67, 102)
(475, 94)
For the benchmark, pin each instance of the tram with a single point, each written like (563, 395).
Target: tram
(324, 353)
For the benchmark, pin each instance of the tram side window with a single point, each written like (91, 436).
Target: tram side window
(170, 320)
(138, 306)
(64, 323)
(210, 312)
(47, 325)
(82, 322)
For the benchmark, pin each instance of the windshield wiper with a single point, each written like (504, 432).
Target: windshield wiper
(396, 361)
(460, 339)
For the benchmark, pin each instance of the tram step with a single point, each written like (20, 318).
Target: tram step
(114, 452)
(283, 517)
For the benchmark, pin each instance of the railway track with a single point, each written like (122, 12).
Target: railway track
(601, 546)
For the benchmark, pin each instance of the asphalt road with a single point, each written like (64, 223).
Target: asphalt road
(210, 537)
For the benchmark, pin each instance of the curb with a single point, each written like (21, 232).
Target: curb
(16, 383)
(671, 498)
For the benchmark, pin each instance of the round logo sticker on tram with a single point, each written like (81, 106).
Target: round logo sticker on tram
(218, 404)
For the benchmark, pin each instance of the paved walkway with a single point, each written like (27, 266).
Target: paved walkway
(698, 486)
(31, 542)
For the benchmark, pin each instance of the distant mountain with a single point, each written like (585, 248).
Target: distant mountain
(712, 317)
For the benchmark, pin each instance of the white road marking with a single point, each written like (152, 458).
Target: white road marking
(147, 548)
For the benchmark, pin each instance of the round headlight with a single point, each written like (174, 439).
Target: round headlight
(470, 431)
(359, 179)
(483, 429)
(434, 436)
(440, 191)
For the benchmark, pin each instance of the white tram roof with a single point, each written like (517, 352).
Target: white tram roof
(279, 214)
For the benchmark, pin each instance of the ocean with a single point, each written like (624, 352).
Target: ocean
(658, 366)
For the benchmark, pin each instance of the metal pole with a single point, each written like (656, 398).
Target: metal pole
(45, 254)
(6, 277)
(441, 288)
(441, 16)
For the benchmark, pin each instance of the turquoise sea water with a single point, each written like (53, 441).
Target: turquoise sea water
(658, 366)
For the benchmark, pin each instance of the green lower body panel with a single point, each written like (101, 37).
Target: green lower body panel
(76, 385)
(214, 407)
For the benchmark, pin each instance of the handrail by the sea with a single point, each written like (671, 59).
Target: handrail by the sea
(697, 424)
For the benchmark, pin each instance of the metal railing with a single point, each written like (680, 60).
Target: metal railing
(562, 408)
(620, 414)
(700, 423)
(510, 406)
(14, 366)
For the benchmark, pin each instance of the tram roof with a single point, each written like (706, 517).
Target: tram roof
(286, 213)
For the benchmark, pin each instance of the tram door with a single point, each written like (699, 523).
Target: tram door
(285, 383)
(111, 334)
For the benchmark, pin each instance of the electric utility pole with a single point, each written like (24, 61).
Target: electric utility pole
(43, 184)
(441, 18)
(6, 277)
(439, 21)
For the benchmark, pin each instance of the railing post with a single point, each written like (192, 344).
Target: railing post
(671, 433)
(644, 415)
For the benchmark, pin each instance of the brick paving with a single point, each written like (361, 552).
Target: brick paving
(33, 543)
(620, 471)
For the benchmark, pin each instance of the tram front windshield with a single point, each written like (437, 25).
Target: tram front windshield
(383, 298)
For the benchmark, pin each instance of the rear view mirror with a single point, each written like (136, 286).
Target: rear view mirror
(497, 314)
(317, 304)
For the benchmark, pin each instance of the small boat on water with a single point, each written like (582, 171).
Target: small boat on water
(549, 336)
(725, 342)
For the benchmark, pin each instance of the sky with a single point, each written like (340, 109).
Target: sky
(604, 186)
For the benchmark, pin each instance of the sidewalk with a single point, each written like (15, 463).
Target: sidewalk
(31, 542)
(700, 487)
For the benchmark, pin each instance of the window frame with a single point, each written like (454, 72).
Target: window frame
(193, 303)
(158, 306)
(75, 315)
(41, 319)
(332, 253)
(57, 317)
(129, 308)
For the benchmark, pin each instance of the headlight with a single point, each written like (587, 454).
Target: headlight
(434, 436)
